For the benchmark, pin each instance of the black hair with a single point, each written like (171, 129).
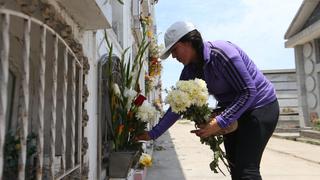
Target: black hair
(194, 37)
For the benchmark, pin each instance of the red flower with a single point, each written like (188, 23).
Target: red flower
(154, 61)
(139, 100)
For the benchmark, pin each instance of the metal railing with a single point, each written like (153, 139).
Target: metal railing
(68, 111)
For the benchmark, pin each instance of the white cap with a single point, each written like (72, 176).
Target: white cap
(173, 34)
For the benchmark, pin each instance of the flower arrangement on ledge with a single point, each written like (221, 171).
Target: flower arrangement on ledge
(130, 110)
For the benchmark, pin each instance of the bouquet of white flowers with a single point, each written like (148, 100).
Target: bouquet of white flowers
(190, 99)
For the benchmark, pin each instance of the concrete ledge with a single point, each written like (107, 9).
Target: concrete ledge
(287, 135)
(308, 140)
(301, 150)
(287, 130)
(305, 136)
(87, 13)
(310, 134)
(140, 174)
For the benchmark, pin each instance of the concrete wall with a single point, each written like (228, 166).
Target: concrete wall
(303, 35)
(120, 34)
(308, 63)
(82, 24)
(285, 83)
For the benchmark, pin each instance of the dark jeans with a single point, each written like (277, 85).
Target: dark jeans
(244, 147)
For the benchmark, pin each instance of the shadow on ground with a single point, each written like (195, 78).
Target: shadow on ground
(166, 165)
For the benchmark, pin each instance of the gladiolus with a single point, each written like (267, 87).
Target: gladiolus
(130, 115)
(120, 129)
(139, 100)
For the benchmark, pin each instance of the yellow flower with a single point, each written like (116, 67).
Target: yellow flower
(149, 34)
(149, 19)
(18, 147)
(145, 160)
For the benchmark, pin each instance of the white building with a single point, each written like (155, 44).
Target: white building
(51, 57)
(303, 35)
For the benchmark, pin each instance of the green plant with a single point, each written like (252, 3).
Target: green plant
(11, 155)
(317, 125)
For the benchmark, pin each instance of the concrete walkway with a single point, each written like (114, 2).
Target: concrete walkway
(179, 155)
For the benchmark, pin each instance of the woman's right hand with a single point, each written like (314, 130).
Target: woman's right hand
(143, 137)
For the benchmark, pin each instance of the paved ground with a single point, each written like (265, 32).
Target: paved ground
(179, 155)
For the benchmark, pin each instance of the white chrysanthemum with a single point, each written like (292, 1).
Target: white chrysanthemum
(201, 84)
(199, 92)
(116, 89)
(146, 112)
(178, 100)
(187, 93)
(202, 99)
(194, 89)
(185, 86)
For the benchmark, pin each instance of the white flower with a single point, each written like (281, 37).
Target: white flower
(178, 100)
(201, 84)
(116, 89)
(187, 93)
(130, 94)
(146, 112)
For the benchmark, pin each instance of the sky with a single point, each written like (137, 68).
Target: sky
(257, 26)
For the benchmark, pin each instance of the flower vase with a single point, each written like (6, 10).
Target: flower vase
(121, 162)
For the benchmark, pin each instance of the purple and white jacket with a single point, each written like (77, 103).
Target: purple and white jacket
(232, 78)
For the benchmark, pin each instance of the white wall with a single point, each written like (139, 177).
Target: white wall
(89, 47)
(94, 46)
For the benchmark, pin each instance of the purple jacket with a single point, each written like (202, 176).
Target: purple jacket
(232, 78)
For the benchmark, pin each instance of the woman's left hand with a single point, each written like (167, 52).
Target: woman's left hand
(212, 128)
(143, 137)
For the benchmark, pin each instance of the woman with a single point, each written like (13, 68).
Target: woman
(238, 86)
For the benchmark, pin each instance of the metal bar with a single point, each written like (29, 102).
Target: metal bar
(99, 138)
(73, 111)
(40, 113)
(64, 86)
(4, 75)
(36, 21)
(69, 172)
(24, 99)
(53, 107)
(80, 108)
